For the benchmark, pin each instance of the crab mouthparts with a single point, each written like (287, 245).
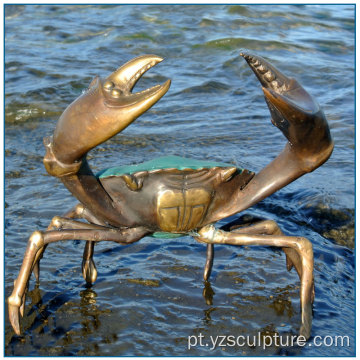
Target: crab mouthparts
(118, 87)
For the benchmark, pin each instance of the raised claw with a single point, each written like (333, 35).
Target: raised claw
(105, 109)
(295, 113)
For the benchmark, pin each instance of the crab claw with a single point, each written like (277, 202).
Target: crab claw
(295, 113)
(105, 109)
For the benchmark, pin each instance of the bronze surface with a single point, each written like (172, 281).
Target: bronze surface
(126, 208)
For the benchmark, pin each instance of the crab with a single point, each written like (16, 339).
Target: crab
(173, 196)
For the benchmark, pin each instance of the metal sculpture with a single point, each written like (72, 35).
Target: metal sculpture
(174, 196)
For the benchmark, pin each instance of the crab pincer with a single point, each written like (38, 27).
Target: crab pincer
(105, 109)
(295, 112)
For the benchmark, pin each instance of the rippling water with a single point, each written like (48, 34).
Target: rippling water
(148, 297)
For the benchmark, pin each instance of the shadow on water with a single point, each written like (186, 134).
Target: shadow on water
(149, 298)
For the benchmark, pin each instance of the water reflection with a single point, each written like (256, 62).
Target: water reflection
(282, 303)
(148, 297)
(208, 293)
(89, 311)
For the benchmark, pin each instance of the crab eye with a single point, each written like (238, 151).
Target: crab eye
(108, 85)
(116, 93)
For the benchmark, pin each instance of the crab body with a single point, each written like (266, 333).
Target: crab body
(171, 194)
(174, 196)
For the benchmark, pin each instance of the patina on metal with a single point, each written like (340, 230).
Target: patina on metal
(172, 196)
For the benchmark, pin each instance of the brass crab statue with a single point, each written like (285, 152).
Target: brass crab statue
(173, 196)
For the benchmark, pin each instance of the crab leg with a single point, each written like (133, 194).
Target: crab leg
(262, 227)
(40, 239)
(88, 265)
(56, 223)
(265, 227)
(270, 227)
(81, 212)
(303, 248)
(89, 270)
(209, 261)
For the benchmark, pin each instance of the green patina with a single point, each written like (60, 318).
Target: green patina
(166, 235)
(165, 162)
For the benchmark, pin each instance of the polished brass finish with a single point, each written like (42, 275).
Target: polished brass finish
(182, 203)
(168, 200)
(54, 166)
(181, 211)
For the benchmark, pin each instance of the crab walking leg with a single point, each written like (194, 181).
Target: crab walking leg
(39, 255)
(264, 227)
(39, 239)
(88, 266)
(78, 212)
(15, 301)
(302, 246)
(209, 261)
(63, 223)
(81, 212)
(270, 227)
(35, 269)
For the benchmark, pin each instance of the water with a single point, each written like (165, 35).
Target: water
(148, 297)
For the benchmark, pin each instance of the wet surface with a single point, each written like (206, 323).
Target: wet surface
(148, 298)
